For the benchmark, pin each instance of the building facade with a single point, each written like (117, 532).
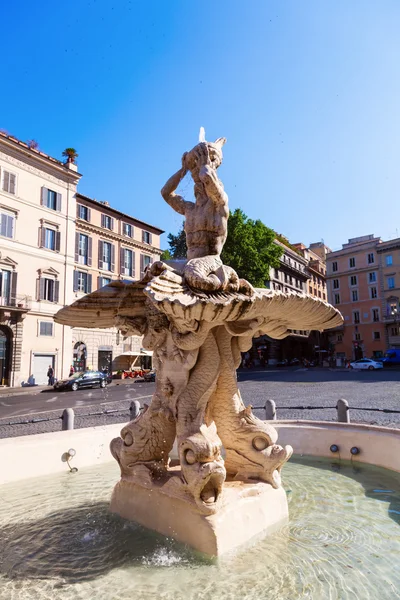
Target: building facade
(389, 268)
(109, 245)
(355, 287)
(55, 246)
(37, 216)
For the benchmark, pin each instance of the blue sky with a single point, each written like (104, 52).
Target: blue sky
(307, 94)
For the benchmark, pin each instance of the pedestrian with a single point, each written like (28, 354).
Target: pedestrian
(50, 375)
(71, 371)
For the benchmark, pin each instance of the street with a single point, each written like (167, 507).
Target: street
(289, 388)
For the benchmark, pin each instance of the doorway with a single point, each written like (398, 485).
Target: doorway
(105, 360)
(5, 355)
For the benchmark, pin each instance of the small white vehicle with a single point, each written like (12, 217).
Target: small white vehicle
(366, 363)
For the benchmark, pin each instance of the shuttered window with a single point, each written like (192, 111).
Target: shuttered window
(51, 199)
(145, 261)
(7, 223)
(147, 237)
(107, 222)
(8, 181)
(127, 262)
(48, 289)
(83, 212)
(82, 282)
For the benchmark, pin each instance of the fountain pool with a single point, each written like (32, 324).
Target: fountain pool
(59, 541)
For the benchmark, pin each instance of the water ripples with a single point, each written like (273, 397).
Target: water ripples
(59, 541)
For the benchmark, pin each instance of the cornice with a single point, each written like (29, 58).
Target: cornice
(86, 227)
(42, 167)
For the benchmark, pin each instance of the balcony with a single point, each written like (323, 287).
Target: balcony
(394, 340)
(18, 302)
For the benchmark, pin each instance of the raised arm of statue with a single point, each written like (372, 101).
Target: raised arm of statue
(176, 202)
(208, 174)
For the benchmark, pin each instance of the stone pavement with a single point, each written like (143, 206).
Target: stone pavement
(290, 389)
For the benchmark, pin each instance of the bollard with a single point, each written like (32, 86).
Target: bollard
(270, 410)
(68, 418)
(134, 409)
(343, 412)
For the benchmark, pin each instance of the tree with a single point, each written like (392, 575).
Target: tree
(70, 154)
(166, 255)
(250, 248)
(177, 243)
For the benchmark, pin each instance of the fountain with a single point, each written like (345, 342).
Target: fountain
(197, 316)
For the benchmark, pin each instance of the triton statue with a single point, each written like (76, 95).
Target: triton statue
(197, 317)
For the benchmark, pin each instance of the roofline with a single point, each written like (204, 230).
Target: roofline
(105, 207)
(38, 154)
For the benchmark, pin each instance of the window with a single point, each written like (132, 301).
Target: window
(46, 328)
(8, 182)
(352, 263)
(127, 230)
(389, 260)
(324, 296)
(357, 337)
(107, 222)
(146, 237)
(51, 199)
(339, 337)
(371, 258)
(356, 317)
(354, 295)
(107, 256)
(102, 281)
(49, 239)
(373, 292)
(83, 212)
(334, 267)
(145, 261)
(377, 335)
(83, 249)
(372, 277)
(82, 282)
(394, 331)
(390, 283)
(127, 262)
(375, 315)
(392, 308)
(337, 299)
(7, 223)
(5, 287)
(48, 289)
(353, 280)
(336, 284)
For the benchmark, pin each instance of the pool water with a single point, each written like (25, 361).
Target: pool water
(58, 541)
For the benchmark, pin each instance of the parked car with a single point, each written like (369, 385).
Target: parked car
(392, 357)
(150, 376)
(366, 363)
(282, 363)
(294, 361)
(83, 379)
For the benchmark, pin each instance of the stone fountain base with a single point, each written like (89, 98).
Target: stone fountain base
(249, 509)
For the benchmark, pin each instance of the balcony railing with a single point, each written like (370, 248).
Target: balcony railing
(394, 340)
(18, 301)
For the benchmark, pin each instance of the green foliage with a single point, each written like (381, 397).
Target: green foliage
(166, 255)
(177, 243)
(283, 240)
(70, 154)
(250, 248)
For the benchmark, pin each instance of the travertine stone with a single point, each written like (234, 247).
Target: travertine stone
(197, 316)
(249, 510)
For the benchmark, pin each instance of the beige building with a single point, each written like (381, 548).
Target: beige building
(109, 245)
(37, 223)
(55, 246)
